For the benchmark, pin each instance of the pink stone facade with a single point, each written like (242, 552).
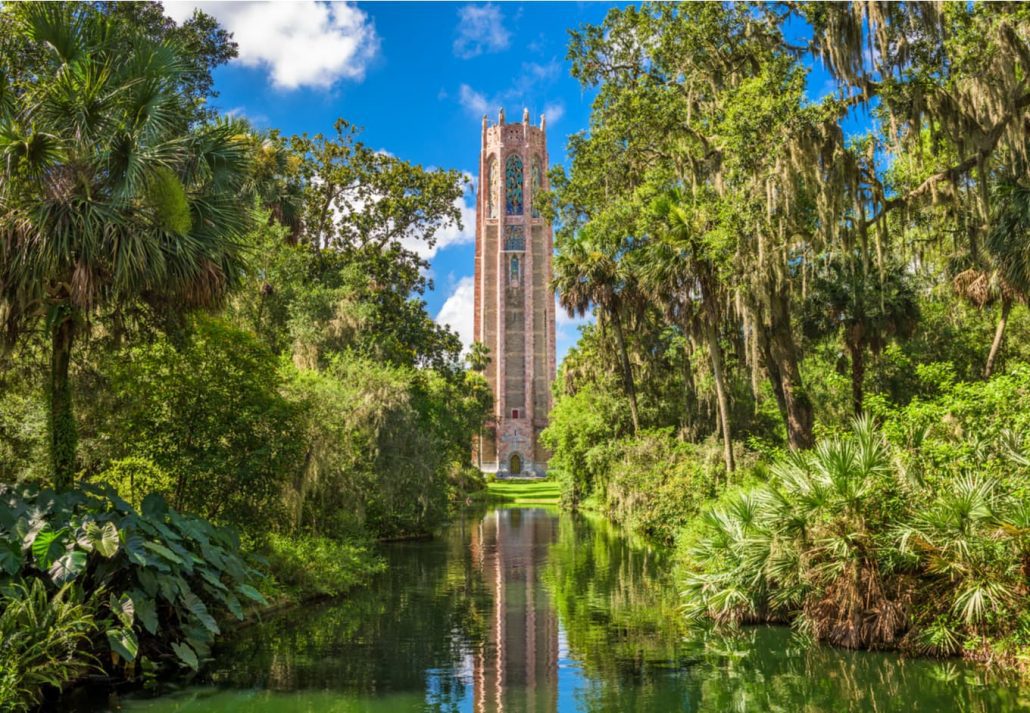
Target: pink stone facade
(514, 302)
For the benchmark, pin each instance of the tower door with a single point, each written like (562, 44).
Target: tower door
(515, 464)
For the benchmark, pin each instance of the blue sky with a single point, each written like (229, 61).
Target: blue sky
(418, 78)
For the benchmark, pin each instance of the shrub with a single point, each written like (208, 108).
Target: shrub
(861, 553)
(43, 641)
(806, 545)
(165, 577)
(307, 565)
(656, 483)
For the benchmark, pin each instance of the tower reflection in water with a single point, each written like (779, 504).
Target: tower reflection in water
(516, 666)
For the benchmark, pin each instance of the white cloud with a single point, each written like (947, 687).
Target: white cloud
(457, 311)
(525, 88)
(473, 101)
(554, 112)
(301, 44)
(480, 30)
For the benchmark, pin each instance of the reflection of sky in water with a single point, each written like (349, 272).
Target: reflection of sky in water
(526, 611)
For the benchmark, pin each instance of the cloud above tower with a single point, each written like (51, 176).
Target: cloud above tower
(300, 44)
(456, 312)
(481, 30)
(528, 88)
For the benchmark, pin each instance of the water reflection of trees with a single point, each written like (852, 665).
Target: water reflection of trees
(409, 632)
(765, 668)
(621, 618)
(625, 629)
(418, 630)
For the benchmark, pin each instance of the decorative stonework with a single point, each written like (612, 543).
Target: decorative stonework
(514, 303)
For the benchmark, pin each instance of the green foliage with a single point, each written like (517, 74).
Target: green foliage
(656, 483)
(167, 197)
(208, 411)
(306, 566)
(159, 578)
(861, 544)
(386, 445)
(43, 640)
(134, 478)
(582, 426)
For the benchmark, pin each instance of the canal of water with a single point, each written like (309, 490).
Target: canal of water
(532, 610)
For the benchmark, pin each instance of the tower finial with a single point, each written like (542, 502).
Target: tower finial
(543, 122)
(525, 115)
(500, 117)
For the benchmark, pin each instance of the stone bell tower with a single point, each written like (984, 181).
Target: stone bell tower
(514, 314)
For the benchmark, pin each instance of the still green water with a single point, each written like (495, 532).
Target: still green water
(526, 609)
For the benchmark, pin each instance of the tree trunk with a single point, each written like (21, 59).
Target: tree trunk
(627, 372)
(61, 420)
(999, 334)
(715, 351)
(689, 394)
(780, 353)
(857, 375)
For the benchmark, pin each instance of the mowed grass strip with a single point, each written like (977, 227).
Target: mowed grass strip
(529, 492)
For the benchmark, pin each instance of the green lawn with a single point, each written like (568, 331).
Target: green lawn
(528, 492)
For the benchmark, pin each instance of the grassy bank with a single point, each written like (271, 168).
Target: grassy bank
(523, 492)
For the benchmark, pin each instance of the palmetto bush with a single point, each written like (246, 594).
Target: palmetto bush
(42, 641)
(806, 545)
(972, 548)
(855, 552)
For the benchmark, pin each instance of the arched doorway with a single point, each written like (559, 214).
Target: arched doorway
(515, 464)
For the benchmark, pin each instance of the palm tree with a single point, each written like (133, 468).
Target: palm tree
(585, 275)
(804, 545)
(866, 308)
(689, 271)
(478, 357)
(107, 196)
(1008, 242)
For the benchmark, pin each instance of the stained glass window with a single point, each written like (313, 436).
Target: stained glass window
(513, 185)
(513, 270)
(537, 173)
(516, 239)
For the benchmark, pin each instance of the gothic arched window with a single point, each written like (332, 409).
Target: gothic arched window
(513, 270)
(513, 185)
(538, 180)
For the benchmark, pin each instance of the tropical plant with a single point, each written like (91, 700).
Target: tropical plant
(586, 275)
(44, 638)
(866, 307)
(1007, 242)
(971, 547)
(108, 198)
(162, 577)
(806, 546)
(685, 277)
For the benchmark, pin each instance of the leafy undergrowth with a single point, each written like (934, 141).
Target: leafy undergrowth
(307, 566)
(524, 491)
(156, 583)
